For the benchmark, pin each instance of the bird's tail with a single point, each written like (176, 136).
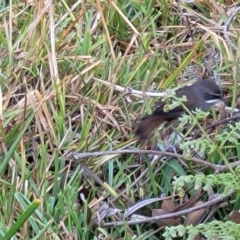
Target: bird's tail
(147, 125)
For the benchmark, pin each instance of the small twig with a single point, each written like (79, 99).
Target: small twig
(221, 122)
(209, 203)
(131, 91)
(226, 27)
(218, 123)
(216, 167)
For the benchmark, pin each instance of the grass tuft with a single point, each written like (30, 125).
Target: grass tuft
(67, 69)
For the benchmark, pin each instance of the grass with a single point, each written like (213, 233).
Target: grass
(62, 67)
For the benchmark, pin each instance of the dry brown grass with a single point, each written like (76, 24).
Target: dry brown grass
(69, 73)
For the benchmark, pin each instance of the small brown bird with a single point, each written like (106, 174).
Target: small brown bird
(202, 95)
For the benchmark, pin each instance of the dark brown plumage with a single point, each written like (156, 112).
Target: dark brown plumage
(202, 95)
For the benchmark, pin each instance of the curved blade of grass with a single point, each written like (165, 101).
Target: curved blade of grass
(22, 219)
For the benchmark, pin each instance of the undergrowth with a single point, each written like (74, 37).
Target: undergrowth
(68, 73)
